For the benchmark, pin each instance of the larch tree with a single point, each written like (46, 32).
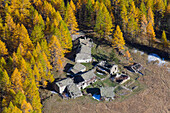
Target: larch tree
(4, 80)
(48, 68)
(160, 6)
(18, 99)
(70, 19)
(37, 19)
(1, 27)
(26, 107)
(143, 9)
(3, 49)
(57, 53)
(11, 109)
(108, 25)
(16, 82)
(104, 25)
(22, 37)
(150, 33)
(72, 5)
(36, 75)
(149, 4)
(133, 27)
(44, 47)
(99, 26)
(3, 63)
(118, 40)
(37, 34)
(47, 26)
(20, 10)
(33, 97)
(15, 60)
(143, 25)
(124, 17)
(150, 16)
(65, 37)
(164, 39)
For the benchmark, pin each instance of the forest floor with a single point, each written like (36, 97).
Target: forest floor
(155, 98)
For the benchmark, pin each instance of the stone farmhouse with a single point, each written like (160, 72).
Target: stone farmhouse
(85, 79)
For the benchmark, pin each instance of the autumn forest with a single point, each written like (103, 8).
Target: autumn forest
(35, 35)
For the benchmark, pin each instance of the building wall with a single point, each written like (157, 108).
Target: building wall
(84, 61)
(59, 89)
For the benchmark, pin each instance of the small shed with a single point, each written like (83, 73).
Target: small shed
(136, 67)
(78, 68)
(60, 86)
(107, 92)
(74, 91)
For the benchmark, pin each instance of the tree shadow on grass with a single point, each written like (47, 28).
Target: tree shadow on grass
(100, 57)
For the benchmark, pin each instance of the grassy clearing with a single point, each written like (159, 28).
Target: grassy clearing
(119, 90)
(88, 65)
(109, 83)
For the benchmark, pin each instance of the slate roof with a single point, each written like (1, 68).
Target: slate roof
(85, 49)
(88, 75)
(74, 90)
(107, 92)
(82, 56)
(78, 68)
(65, 82)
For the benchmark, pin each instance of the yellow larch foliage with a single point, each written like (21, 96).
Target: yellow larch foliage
(143, 24)
(164, 39)
(20, 50)
(21, 37)
(56, 52)
(23, 69)
(128, 55)
(3, 63)
(10, 23)
(36, 75)
(3, 49)
(38, 48)
(118, 40)
(150, 17)
(27, 44)
(38, 3)
(96, 6)
(150, 33)
(108, 22)
(65, 37)
(47, 25)
(70, 20)
(48, 65)
(33, 97)
(16, 80)
(72, 5)
(11, 109)
(26, 107)
(15, 60)
(5, 80)
(124, 17)
(79, 4)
